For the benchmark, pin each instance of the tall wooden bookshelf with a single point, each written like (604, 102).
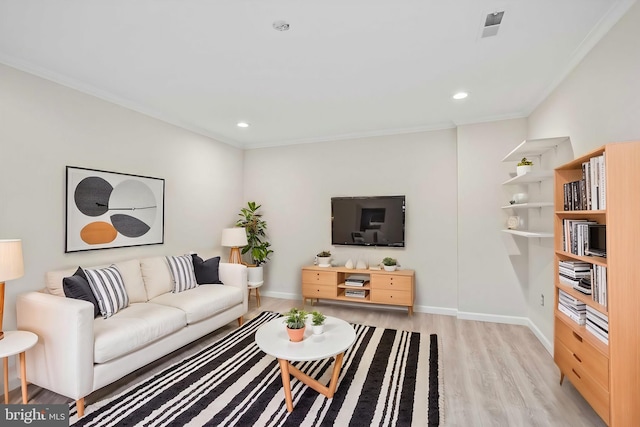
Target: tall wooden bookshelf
(607, 375)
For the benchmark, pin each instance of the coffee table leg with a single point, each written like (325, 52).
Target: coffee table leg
(334, 376)
(286, 383)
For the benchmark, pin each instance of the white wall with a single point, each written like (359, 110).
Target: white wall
(295, 184)
(599, 102)
(493, 266)
(46, 127)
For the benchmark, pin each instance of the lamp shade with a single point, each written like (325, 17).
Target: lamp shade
(234, 237)
(11, 265)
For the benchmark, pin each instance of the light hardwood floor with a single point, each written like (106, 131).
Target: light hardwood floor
(494, 374)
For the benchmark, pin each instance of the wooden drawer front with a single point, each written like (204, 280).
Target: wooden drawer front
(318, 291)
(384, 296)
(319, 277)
(593, 393)
(588, 358)
(389, 281)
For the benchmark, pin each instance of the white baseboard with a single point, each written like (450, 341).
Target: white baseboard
(495, 318)
(543, 340)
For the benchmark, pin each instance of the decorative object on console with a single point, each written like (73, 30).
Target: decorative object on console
(390, 264)
(524, 166)
(296, 324)
(324, 259)
(317, 322)
(11, 267)
(112, 210)
(361, 265)
(514, 222)
(234, 238)
(349, 263)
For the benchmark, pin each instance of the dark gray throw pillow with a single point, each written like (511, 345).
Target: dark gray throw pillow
(77, 287)
(206, 271)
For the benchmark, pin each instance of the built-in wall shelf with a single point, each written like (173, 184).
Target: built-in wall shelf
(530, 177)
(534, 147)
(529, 234)
(528, 205)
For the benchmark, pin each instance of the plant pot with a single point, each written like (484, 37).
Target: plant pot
(255, 275)
(296, 335)
(324, 261)
(317, 329)
(389, 267)
(521, 170)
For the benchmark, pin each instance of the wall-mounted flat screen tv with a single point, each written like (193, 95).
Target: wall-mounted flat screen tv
(368, 221)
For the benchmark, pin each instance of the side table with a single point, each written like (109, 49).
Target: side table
(16, 342)
(256, 286)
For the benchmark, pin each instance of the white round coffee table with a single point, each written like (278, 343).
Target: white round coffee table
(16, 342)
(338, 336)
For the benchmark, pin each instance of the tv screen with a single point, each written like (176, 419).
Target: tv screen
(368, 221)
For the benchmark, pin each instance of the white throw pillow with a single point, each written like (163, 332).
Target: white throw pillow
(182, 271)
(108, 287)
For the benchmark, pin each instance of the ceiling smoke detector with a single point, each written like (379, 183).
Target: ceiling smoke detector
(281, 25)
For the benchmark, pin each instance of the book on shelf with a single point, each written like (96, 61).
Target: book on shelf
(595, 331)
(584, 286)
(574, 308)
(579, 319)
(599, 284)
(599, 319)
(588, 193)
(355, 293)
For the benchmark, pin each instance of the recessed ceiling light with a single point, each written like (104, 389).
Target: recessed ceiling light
(281, 25)
(243, 124)
(460, 95)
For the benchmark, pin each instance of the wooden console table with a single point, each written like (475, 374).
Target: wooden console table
(384, 287)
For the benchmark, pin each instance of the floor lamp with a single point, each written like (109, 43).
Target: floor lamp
(234, 238)
(11, 267)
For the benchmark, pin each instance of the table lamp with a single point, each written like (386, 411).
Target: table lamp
(11, 267)
(234, 238)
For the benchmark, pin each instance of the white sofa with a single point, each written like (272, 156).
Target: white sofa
(77, 354)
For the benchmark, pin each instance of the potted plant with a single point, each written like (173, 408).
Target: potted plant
(317, 322)
(324, 259)
(296, 324)
(257, 247)
(389, 264)
(524, 166)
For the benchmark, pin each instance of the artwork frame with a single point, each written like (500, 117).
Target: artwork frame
(106, 210)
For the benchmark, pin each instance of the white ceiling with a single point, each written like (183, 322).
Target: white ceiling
(346, 68)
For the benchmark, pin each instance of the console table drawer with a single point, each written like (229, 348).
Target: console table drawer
(594, 393)
(390, 281)
(585, 355)
(318, 291)
(319, 277)
(395, 297)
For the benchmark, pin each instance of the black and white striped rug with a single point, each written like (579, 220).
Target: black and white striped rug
(388, 378)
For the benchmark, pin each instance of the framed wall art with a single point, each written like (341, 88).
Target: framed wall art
(112, 210)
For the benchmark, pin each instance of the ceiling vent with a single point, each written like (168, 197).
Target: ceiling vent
(492, 24)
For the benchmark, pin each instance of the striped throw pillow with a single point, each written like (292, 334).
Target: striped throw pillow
(182, 271)
(108, 287)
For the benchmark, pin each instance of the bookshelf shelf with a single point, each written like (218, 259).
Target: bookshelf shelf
(605, 375)
(529, 234)
(534, 148)
(530, 178)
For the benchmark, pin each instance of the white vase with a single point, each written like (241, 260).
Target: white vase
(521, 170)
(389, 268)
(361, 265)
(317, 329)
(521, 198)
(349, 264)
(324, 261)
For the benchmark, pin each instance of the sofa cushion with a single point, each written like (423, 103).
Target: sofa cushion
(54, 280)
(133, 283)
(203, 301)
(108, 287)
(181, 268)
(206, 271)
(156, 275)
(77, 287)
(133, 328)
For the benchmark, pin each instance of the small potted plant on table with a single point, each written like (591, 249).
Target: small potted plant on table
(324, 259)
(317, 321)
(296, 324)
(389, 264)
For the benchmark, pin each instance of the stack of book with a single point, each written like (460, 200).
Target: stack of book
(598, 324)
(355, 293)
(590, 192)
(575, 235)
(571, 274)
(356, 280)
(575, 309)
